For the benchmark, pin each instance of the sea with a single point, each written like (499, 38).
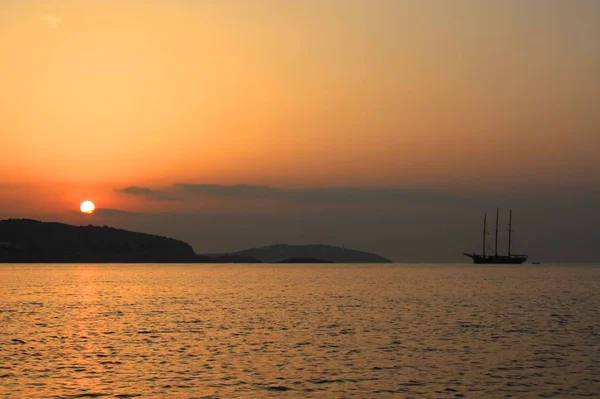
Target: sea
(300, 331)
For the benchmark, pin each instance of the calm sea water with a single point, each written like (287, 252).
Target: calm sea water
(294, 331)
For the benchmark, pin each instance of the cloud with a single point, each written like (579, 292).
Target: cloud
(314, 196)
(357, 194)
(52, 21)
(148, 193)
(238, 190)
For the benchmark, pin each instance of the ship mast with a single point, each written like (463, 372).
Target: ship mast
(509, 231)
(484, 223)
(497, 216)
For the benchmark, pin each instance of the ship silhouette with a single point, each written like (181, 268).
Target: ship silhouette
(484, 258)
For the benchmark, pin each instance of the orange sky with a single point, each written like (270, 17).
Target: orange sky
(101, 95)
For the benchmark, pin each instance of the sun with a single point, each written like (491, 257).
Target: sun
(87, 207)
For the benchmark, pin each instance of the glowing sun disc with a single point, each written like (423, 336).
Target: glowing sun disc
(87, 207)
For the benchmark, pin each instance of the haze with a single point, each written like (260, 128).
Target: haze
(388, 126)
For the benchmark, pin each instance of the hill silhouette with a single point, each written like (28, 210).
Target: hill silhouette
(30, 241)
(281, 252)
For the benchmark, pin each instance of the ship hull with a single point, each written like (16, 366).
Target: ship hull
(497, 259)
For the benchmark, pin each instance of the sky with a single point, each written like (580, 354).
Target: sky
(384, 125)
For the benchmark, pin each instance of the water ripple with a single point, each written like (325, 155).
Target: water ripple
(202, 331)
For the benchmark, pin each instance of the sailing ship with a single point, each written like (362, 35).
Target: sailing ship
(483, 258)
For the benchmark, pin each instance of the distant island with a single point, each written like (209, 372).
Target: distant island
(328, 253)
(31, 241)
